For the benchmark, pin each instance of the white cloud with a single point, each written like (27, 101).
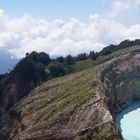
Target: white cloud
(26, 34)
(121, 6)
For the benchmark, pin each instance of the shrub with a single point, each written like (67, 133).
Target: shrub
(69, 60)
(56, 69)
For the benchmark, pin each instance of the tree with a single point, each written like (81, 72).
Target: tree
(26, 69)
(33, 56)
(107, 52)
(56, 69)
(92, 55)
(82, 56)
(30, 70)
(39, 57)
(60, 59)
(69, 60)
(40, 72)
(43, 58)
(27, 54)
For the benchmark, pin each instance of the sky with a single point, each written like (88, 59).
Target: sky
(62, 27)
(54, 9)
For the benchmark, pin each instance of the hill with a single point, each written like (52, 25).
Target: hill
(36, 68)
(78, 106)
(89, 89)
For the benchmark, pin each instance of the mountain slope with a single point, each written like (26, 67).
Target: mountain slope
(71, 103)
(78, 106)
(33, 70)
(26, 75)
(81, 105)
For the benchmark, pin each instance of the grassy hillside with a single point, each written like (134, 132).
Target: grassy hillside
(81, 65)
(75, 106)
(68, 103)
(79, 84)
(70, 106)
(71, 102)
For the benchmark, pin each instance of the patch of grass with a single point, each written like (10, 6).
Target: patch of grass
(72, 94)
(108, 132)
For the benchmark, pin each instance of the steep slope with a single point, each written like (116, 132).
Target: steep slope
(66, 108)
(26, 75)
(31, 71)
(120, 79)
(80, 106)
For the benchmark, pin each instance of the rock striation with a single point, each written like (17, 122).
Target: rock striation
(80, 106)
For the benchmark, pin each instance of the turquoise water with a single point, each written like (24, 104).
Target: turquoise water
(129, 122)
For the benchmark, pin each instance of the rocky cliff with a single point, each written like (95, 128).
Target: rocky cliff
(120, 78)
(80, 106)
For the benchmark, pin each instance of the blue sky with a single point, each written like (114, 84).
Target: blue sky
(51, 9)
(64, 9)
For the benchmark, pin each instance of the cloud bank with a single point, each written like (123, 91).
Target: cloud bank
(26, 34)
(121, 6)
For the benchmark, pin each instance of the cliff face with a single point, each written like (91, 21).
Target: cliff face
(65, 108)
(120, 79)
(80, 106)
(12, 89)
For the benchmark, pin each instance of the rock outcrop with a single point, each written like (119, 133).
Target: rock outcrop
(80, 106)
(120, 78)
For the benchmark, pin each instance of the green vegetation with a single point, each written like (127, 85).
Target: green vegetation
(72, 102)
(125, 44)
(56, 69)
(69, 60)
(36, 68)
(67, 92)
(32, 67)
(93, 55)
(40, 67)
(82, 56)
(108, 132)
